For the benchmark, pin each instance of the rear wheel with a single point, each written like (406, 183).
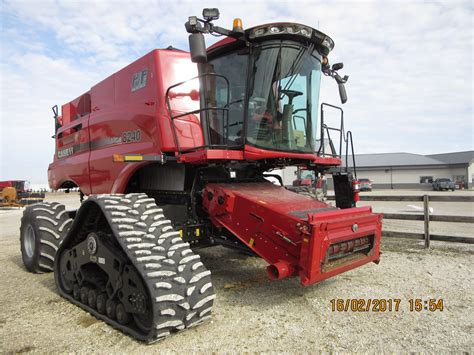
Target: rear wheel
(43, 227)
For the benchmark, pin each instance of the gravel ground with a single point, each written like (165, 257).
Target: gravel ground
(252, 313)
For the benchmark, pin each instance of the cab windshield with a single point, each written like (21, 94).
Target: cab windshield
(283, 97)
(283, 93)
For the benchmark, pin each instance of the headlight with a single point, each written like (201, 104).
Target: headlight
(328, 43)
(259, 32)
(293, 29)
(305, 32)
(276, 29)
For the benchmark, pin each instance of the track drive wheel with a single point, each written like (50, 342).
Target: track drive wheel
(43, 227)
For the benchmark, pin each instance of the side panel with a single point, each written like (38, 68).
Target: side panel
(71, 160)
(126, 114)
(176, 67)
(123, 121)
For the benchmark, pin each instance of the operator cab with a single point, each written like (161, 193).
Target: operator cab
(259, 88)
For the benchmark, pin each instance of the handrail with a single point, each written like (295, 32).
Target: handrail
(345, 137)
(349, 134)
(324, 126)
(205, 132)
(194, 78)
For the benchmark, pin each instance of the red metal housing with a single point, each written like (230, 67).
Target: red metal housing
(94, 123)
(295, 234)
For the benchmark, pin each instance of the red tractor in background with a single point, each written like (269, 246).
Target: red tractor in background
(171, 164)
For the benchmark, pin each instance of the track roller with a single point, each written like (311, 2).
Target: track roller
(92, 298)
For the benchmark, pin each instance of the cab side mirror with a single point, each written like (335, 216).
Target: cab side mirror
(342, 92)
(197, 47)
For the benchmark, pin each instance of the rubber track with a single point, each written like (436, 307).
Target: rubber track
(53, 223)
(178, 283)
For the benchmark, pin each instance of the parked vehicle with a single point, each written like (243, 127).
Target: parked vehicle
(365, 184)
(309, 184)
(443, 184)
(304, 177)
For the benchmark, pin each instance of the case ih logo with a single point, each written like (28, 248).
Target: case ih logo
(139, 80)
(65, 152)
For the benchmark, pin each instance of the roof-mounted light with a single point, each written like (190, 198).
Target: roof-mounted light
(259, 32)
(237, 25)
(281, 29)
(293, 29)
(210, 14)
(275, 29)
(328, 43)
(305, 32)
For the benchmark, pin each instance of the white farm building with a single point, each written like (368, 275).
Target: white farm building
(406, 170)
(415, 171)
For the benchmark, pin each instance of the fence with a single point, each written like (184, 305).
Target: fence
(426, 217)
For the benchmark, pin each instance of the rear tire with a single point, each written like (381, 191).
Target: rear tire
(43, 227)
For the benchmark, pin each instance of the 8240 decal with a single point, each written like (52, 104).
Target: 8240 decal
(131, 136)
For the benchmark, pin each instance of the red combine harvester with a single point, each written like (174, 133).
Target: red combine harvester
(171, 165)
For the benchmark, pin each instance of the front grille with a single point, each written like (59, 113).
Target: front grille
(346, 252)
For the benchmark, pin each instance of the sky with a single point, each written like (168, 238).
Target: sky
(410, 65)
